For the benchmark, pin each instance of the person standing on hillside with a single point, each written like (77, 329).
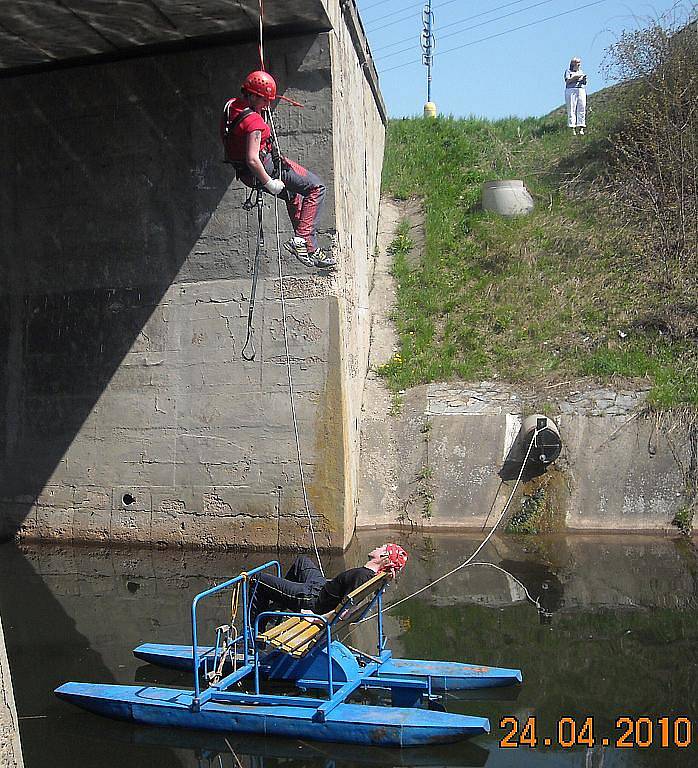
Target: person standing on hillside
(248, 145)
(576, 96)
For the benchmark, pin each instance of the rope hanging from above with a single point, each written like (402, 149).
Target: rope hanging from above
(260, 235)
(261, 35)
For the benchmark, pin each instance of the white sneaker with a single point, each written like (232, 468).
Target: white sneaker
(574, 131)
(299, 248)
(323, 260)
(581, 131)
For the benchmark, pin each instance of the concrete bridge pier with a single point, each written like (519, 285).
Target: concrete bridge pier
(127, 414)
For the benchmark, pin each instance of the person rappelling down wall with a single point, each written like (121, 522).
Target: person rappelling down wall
(249, 147)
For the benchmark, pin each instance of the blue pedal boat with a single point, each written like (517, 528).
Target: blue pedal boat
(301, 651)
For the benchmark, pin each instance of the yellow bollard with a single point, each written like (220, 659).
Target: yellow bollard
(430, 109)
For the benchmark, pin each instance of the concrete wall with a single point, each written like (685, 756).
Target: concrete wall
(128, 414)
(617, 470)
(359, 141)
(10, 747)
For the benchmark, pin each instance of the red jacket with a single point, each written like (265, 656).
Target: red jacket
(235, 141)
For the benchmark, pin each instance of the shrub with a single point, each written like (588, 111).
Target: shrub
(654, 182)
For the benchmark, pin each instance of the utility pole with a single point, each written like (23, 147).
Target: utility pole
(428, 42)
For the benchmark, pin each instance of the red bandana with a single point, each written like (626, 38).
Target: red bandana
(397, 556)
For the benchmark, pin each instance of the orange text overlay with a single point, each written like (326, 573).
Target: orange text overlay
(629, 733)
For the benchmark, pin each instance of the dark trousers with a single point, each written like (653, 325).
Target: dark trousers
(298, 591)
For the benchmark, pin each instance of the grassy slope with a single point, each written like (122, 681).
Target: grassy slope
(543, 298)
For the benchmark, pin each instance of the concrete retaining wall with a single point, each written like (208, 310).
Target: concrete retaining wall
(127, 413)
(10, 747)
(359, 141)
(617, 470)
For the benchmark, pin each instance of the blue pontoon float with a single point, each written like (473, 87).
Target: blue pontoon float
(301, 650)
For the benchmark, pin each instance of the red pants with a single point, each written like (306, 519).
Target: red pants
(304, 196)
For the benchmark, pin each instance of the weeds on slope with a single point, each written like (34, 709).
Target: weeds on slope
(557, 294)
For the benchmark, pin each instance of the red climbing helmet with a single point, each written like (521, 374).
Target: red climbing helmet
(397, 558)
(261, 84)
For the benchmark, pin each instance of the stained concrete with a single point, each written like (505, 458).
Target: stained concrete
(128, 413)
(617, 470)
(10, 746)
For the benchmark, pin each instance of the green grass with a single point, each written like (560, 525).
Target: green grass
(542, 298)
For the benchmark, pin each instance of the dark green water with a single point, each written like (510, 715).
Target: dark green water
(617, 637)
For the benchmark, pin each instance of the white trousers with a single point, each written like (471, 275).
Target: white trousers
(576, 101)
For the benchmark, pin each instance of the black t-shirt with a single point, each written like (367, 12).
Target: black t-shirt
(334, 591)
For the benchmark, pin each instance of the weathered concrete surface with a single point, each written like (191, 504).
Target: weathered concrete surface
(439, 462)
(10, 747)
(381, 436)
(35, 33)
(618, 471)
(357, 206)
(128, 413)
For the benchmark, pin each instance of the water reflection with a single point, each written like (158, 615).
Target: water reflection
(206, 750)
(622, 639)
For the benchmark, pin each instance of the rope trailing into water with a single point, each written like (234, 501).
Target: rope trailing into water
(291, 391)
(469, 561)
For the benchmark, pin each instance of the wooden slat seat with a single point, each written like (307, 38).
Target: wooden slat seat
(298, 634)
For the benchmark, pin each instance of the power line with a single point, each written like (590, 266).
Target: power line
(453, 24)
(373, 5)
(402, 10)
(474, 26)
(498, 34)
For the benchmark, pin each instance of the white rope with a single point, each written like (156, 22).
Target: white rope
(283, 314)
(237, 759)
(288, 363)
(261, 35)
(468, 562)
(511, 576)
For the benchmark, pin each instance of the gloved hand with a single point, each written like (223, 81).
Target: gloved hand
(275, 186)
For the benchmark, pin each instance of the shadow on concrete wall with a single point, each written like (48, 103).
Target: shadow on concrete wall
(116, 191)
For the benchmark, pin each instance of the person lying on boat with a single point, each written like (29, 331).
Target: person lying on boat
(306, 589)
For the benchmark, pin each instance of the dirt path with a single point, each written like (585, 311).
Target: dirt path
(384, 449)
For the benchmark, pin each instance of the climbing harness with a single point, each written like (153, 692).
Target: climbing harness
(231, 125)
